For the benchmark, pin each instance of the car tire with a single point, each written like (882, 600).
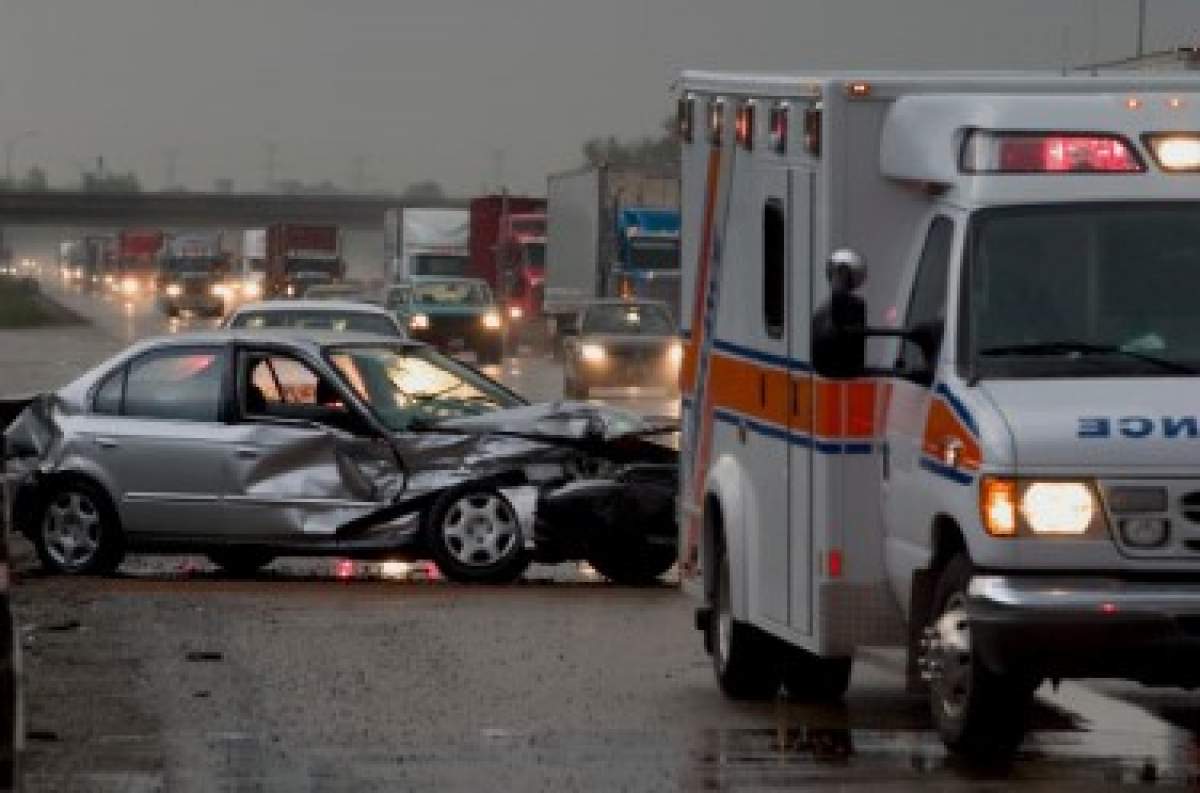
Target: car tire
(241, 562)
(475, 537)
(976, 712)
(76, 530)
(745, 660)
(641, 565)
(810, 678)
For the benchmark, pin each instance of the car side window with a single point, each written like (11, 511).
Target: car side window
(927, 305)
(110, 393)
(280, 386)
(182, 384)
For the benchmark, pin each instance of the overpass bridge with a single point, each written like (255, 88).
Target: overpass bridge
(245, 210)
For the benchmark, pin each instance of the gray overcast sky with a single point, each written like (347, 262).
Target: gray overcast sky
(431, 88)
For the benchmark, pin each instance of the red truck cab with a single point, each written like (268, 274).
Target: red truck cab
(508, 250)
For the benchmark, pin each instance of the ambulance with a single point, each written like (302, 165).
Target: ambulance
(941, 385)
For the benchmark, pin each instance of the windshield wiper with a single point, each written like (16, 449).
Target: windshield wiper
(1068, 347)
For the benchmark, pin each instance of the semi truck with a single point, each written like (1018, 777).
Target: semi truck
(300, 256)
(939, 383)
(253, 263)
(508, 250)
(611, 232)
(138, 252)
(195, 275)
(422, 241)
(96, 261)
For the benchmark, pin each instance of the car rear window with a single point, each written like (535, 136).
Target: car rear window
(351, 321)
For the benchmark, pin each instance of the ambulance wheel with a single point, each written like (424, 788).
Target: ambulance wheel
(745, 660)
(977, 712)
(809, 678)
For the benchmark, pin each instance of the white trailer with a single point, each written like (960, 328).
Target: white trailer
(419, 241)
(1007, 484)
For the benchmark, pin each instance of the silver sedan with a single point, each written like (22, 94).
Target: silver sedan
(251, 445)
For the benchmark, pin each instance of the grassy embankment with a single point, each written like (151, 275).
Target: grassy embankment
(22, 305)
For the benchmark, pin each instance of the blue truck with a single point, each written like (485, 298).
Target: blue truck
(611, 231)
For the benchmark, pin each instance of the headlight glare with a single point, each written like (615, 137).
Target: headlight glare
(1058, 507)
(592, 353)
(491, 320)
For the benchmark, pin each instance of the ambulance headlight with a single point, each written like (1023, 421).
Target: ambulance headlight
(1175, 152)
(1058, 507)
(1013, 507)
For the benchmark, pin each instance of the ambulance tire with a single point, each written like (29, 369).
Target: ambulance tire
(977, 712)
(746, 661)
(809, 678)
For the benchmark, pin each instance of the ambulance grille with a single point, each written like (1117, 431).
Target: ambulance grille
(1190, 506)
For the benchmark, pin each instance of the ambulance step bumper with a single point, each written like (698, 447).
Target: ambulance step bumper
(1087, 627)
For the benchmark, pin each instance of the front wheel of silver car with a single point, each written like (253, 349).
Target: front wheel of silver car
(77, 530)
(474, 537)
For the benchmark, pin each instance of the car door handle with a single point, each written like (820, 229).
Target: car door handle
(246, 452)
(106, 443)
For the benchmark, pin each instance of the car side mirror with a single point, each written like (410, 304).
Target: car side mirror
(839, 329)
(927, 336)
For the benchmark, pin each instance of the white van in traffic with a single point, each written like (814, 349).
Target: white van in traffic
(989, 449)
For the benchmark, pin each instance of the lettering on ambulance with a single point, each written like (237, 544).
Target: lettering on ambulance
(695, 375)
(950, 429)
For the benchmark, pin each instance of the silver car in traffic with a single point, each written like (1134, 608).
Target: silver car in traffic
(248, 445)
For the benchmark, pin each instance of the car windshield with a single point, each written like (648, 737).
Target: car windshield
(351, 321)
(192, 264)
(440, 265)
(452, 293)
(655, 255)
(1086, 291)
(632, 318)
(409, 387)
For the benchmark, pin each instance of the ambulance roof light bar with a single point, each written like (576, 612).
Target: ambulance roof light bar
(684, 117)
(716, 120)
(1025, 152)
(744, 124)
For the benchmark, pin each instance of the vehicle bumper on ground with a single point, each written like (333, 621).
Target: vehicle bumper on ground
(1087, 627)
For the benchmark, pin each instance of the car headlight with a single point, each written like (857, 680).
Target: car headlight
(220, 290)
(592, 353)
(251, 289)
(491, 320)
(1010, 507)
(675, 354)
(174, 290)
(419, 322)
(130, 286)
(291, 290)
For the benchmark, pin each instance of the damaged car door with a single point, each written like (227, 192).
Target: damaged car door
(305, 461)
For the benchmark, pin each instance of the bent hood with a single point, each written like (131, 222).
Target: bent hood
(1114, 424)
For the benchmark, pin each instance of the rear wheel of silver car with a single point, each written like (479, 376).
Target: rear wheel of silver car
(77, 530)
(745, 660)
(976, 711)
(474, 537)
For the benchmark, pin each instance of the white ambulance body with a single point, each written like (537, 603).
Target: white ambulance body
(1012, 489)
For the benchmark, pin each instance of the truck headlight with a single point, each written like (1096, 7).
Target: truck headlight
(174, 290)
(1058, 507)
(491, 320)
(592, 353)
(1009, 507)
(515, 312)
(220, 290)
(130, 286)
(419, 322)
(251, 289)
(675, 353)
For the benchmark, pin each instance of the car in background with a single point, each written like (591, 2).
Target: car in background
(452, 314)
(246, 446)
(345, 290)
(336, 315)
(621, 343)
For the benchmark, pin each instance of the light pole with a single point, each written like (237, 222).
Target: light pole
(10, 146)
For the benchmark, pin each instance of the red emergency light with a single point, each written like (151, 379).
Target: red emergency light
(744, 126)
(778, 123)
(1048, 152)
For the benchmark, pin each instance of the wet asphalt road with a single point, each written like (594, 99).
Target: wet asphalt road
(322, 676)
